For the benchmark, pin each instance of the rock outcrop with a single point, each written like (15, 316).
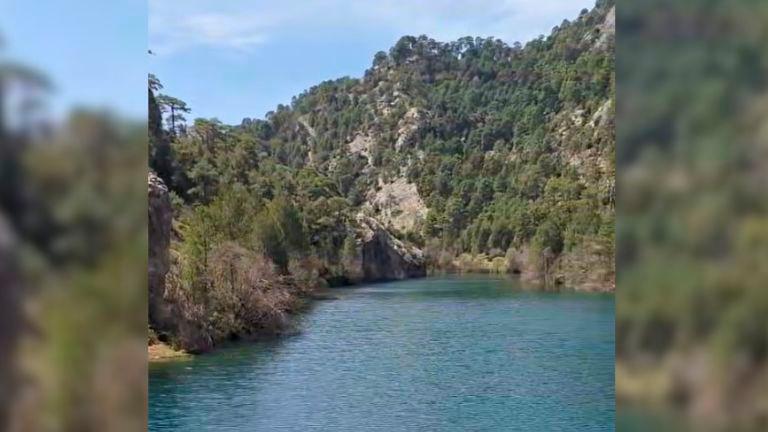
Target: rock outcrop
(167, 317)
(408, 128)
(362, 145)
(607, 30)
(398, 204)
(159, 226)
(383, 257)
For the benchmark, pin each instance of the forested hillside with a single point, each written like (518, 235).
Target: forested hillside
(466, 155)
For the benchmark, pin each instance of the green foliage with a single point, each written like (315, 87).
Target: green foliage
(548, 237)
(507, 145)
(280, 232)
(175, 108)
(160, 158)
(195, 250)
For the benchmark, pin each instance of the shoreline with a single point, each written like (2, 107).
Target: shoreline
(160, 352)
(540, 283)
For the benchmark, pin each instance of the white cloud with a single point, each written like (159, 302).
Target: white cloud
(228, 30)
(240, 25)
(176, 26)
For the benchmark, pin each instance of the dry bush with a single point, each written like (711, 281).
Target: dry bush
(306, 273)
(246, 295)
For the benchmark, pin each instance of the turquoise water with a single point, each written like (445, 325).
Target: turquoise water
(450, 354)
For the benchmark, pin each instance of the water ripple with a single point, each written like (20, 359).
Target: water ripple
(455, 354)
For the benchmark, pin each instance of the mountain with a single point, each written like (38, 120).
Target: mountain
(471, 155)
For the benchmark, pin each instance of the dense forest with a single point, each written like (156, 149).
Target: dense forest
(471, 155)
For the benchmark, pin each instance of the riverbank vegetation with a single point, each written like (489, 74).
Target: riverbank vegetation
(440, 151)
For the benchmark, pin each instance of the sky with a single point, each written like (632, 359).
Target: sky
(232, 59)
(93, 51)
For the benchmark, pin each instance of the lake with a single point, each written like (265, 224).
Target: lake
(437, 354)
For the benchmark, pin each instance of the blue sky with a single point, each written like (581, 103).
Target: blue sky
(94, 51)
(236, 58)
(240, 58)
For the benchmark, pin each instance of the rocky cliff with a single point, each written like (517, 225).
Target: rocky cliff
(159, 231)
(383, 256)
(167, 316)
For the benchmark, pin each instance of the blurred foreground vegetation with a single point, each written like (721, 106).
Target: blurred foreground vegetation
(692, 219)
(73, 264)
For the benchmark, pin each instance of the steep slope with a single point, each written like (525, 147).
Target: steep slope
(466, 155)
(473, 146)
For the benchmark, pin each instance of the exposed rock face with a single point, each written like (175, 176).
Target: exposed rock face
(408, 127)
(607, 29)
(383, 257)
(362, 145)
(165, 316)
(302, 120)
(159, 225)
(587, 269)
(398, 204)
(602, 116)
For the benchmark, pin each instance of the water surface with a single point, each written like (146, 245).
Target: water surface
(447, 354)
